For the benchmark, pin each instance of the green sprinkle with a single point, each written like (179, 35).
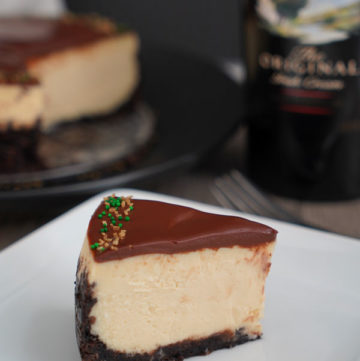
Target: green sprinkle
(113, 222)
(131, 208)
(100, 215)
(120, 225)
(107, 206)
(102, 230)
(109, 214)
(102, 249)
(127, 218)
(92, 246)
(103, 213)
(120, 218)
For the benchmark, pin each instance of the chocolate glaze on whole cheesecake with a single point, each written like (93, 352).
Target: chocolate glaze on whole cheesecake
(159, 281)
(24, 40)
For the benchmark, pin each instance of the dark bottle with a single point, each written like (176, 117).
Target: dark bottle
(303, 60)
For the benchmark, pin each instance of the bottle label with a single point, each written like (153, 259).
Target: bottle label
(310, 56)
(306, 67)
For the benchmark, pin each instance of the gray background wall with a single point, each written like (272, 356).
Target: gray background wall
(207, 28)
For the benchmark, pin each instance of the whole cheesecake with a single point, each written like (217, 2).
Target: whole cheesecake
(158, 281)
(55, 70)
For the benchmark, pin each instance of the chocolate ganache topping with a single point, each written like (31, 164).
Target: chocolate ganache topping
(25, 39)
(122, 227)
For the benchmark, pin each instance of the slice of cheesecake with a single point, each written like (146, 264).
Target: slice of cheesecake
(78, 66)
(158, 281)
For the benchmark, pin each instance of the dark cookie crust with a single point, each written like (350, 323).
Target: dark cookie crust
(93, 349)
(18, 149)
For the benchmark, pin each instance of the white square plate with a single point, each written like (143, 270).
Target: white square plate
(312, 307)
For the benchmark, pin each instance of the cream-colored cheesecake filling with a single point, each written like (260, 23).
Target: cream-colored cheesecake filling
(154, 300)
(20, 105)
(88, 80)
